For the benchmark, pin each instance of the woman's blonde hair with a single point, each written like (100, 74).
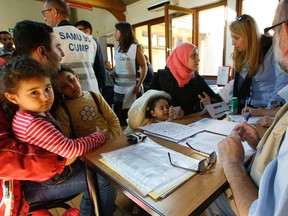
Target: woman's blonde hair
(246, 27)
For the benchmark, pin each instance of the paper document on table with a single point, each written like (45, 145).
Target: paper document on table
(146, 165)
(169, 130)
(216, 110)
(213, 125)
(207, 142)
(204, 142)
(129, 98)
(241, 118)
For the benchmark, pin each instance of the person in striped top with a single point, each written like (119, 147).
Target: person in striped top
(28, 85)
(31, 164)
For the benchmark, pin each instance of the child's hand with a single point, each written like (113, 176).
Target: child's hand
(172, 113)
(70, 161)
(104, 131)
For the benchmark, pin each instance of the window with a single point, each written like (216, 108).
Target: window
(158, 58)
(211, 40)
(110, 54)
(141, 33)
(152, 34)
(263, 17)
(209, 36)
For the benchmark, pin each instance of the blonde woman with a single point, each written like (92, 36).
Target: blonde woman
(257, 77)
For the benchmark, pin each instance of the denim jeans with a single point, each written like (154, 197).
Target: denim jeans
(35, 192)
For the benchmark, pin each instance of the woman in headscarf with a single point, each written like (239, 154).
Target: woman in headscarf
(181, 80)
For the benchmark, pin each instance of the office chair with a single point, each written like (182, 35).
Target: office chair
(57, 203)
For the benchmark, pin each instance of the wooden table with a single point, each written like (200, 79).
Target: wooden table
(192, 197)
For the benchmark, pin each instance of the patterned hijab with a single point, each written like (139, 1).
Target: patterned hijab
(177, 62)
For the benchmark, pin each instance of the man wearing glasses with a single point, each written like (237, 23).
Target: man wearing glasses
(263, 190)
(80, 49)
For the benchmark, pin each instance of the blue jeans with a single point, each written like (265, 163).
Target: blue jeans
(35, 192)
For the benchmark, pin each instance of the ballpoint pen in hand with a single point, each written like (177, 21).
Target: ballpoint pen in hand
(246, 102)
(247, 117)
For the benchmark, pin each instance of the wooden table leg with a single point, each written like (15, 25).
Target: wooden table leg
(93, 188)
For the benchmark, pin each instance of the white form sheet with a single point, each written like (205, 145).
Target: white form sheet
(207, 142)
(241, 118)
(213, 125)
(170, 130)
(212, 132)
(146, 165)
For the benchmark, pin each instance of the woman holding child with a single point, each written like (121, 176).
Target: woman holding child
(181, 80)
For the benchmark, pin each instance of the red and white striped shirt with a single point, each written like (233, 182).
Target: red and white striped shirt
(41, 132)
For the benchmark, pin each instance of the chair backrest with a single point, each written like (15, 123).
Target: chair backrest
(56, 203)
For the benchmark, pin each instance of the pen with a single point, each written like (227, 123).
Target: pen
(246, 102)
(247, 117)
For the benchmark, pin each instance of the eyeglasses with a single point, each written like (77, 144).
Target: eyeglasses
(187, 143)
(243, 18)
(203, 165)
(45, 11)
(270, 30)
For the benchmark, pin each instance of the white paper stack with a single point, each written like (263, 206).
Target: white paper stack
(146, 165)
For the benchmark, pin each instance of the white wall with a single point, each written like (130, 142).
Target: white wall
(12, 11)
(138, 12)
(102, 20)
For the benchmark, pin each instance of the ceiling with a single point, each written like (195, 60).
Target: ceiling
(115, 7)
(128, 2)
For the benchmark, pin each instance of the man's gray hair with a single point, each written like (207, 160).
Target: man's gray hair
(60, 5)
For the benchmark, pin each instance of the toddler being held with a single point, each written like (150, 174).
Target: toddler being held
(159, 109)
(153, 106)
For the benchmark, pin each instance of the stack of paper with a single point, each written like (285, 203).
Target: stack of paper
(241, 118)
(170, 130)
(146, 165)
(214, 126)
(202, 136)
(176, 132)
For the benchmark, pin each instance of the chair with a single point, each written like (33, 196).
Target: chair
(57, 203)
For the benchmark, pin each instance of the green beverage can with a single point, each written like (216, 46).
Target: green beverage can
(234, 105)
